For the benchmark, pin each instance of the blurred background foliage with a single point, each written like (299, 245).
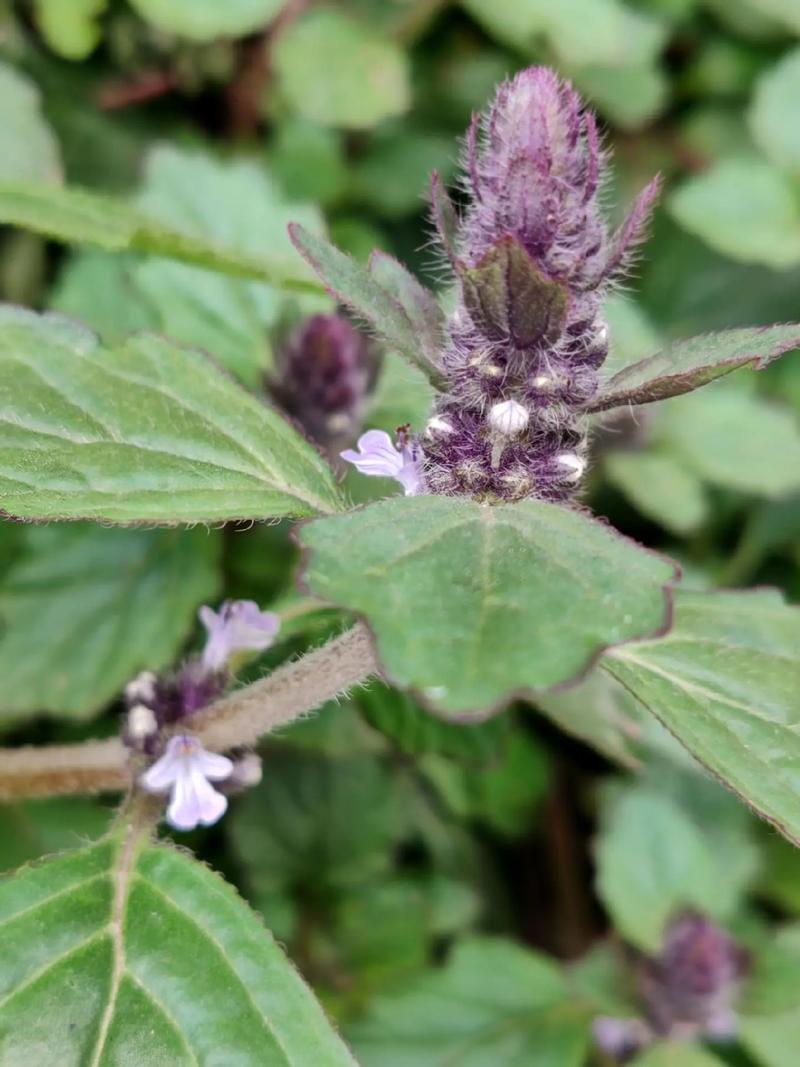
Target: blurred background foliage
(457, 895)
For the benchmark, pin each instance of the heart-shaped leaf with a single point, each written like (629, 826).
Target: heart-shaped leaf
(686, 365)
(469, 603)
(726, 681)
(146, 431)
(128, 953)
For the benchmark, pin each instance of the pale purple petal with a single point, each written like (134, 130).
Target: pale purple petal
(165, 771)
(379, 457)
(212, 766)
(239, 626)
(194, 802)
(376, 455)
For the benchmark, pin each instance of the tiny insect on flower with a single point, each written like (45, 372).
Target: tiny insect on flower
(238, 626)
(379, 457)
(187, 770)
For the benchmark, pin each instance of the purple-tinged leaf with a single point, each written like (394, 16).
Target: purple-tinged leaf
(445, 217)
(425, 315)
(686, 365)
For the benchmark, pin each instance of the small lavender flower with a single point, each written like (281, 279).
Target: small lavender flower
(533, 258)
(325, 371)
(238, 626)
(379, 457)
(187, 770)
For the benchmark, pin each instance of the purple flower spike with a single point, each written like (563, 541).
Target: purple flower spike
(534, 259)
(379, 457)
(238, 626)
(187, 770)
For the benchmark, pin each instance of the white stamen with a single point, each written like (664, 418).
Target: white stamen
(142, 687)
(437, 425)
(142, 722)
(508, 418)
(574, 464)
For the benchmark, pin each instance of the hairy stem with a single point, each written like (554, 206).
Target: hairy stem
(238, 719)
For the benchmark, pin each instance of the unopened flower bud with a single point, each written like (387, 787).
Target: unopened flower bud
(141, 724)
(142, 688)
(437, 425)
(509, 418)
(574, 465)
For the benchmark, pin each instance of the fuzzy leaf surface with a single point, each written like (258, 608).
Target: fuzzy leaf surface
(146, 431)
(469, 603)
(686, 365)
(128, 953)
(725, 682)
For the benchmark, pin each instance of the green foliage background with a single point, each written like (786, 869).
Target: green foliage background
(452, 892)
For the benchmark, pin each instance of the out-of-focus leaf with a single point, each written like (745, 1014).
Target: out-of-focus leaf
(780, 882)
(772, 1040)
(126, 952)
(725, 681)
(632, 334)
(28, 150)
(204, 20)
(773, 114)
(603, 714)
(652, 862)
(773, 984)
(678, 1054)
(660, 487)
(393, 175)
(416, 732)
(70, 27)
(745, 208)
(782, 11)
(83, 609)
(735, 439)
(147, 431)
(469, 603)
(77, 216)
(580, 31)
(317, 822)
(30, 829)
(402, 395)
(98, 288)
(335, 71)
(308, 160)
(492, 1003)
(237, 205)
(503, 794)
(630, 95)
(687, 365)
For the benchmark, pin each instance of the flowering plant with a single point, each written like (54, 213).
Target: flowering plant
(418, 504)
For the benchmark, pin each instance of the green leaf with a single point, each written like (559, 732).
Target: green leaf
(773, 112)
(147, 431)
(28, 150)
(660, 487)
(632, 335)
(97, 288)
(424, 314)
(772, 1040)
(630, 95)
(744, 208)
(493, 1002)
(70, 27)
(83, 609)
(783, 11)
(335, 71)
(469, 603)
(391, 176)
(678, 1054)
(77, 216)
(317, 822)
(32, 828)
(415, 732)
(725, 681)
(773, 984)
(602, 713)
(204, 20)
(125, 952)
(238, 205)
(402, 395)
(652, 863)
(580, 31)
(735, 439)
(396, 313)
(687, 365)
